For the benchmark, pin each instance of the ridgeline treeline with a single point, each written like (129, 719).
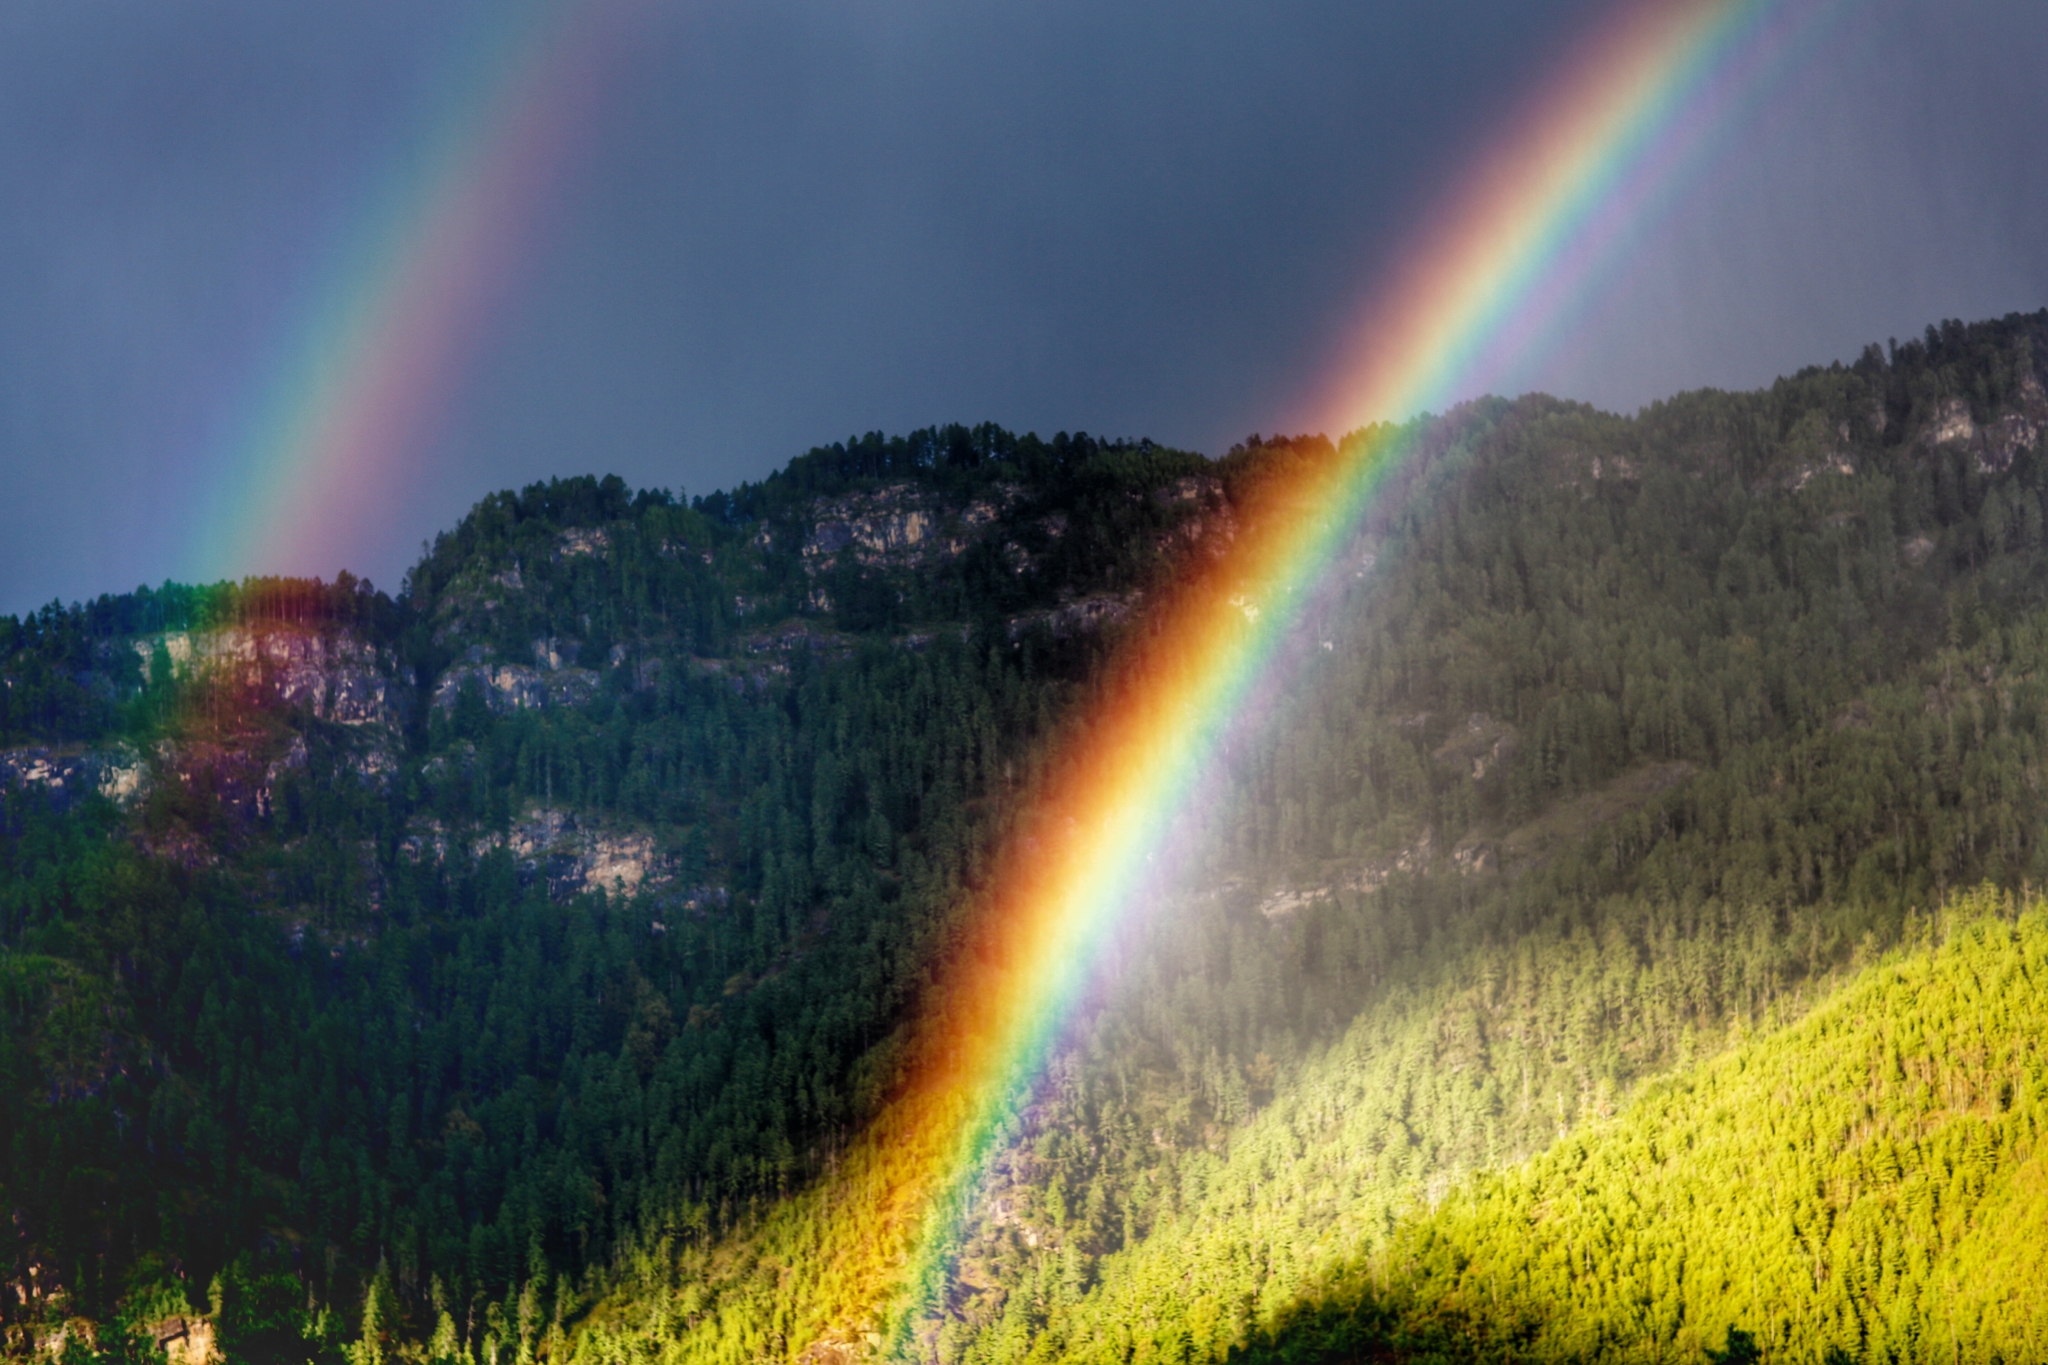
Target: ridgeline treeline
(1631, 740)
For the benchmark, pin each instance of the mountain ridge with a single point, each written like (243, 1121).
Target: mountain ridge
(1679, 715)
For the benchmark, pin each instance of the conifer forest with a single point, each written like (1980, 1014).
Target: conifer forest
(1623, 940)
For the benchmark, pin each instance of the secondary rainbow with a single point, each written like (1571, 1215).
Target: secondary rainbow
(1514, 246)
(380, 350)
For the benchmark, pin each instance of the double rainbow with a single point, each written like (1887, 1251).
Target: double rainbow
(1513, 251)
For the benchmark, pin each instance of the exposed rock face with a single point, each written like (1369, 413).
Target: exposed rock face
(1951, 423)
(2007, 437)
(1996, 443)
(124, 778)
(42, 767)
(187, 1341)
(234, 757)
(1409, 861)
(339, 676)
(898, 526)
(1832, 464)
(515, 687)
(553, 654)
(1412, 860)
(554, 679)
(1289, 899)
(118, 774)
(551, 845)
(583, 540)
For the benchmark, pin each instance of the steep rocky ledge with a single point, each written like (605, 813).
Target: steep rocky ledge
(335, 673)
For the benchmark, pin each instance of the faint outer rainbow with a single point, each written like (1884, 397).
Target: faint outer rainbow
(1515, 240)
(381, 353)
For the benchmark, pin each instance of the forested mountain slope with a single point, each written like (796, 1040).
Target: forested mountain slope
(392, 913)
(1865, 1184)
(513, 967)
(1601, 771)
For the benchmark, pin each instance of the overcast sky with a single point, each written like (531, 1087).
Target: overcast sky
(777, 223)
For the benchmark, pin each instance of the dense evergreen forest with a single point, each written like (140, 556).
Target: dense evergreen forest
(509, 969)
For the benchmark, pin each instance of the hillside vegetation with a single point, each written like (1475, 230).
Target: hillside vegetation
(520, 967)
(1865, 1184)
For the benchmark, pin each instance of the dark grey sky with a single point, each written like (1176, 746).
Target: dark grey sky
(786, 222)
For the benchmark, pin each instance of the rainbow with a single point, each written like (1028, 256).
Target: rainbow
(381, 351)
(1509, 257)
(1491, 271)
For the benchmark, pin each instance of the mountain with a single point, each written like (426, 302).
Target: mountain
(525, 966)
